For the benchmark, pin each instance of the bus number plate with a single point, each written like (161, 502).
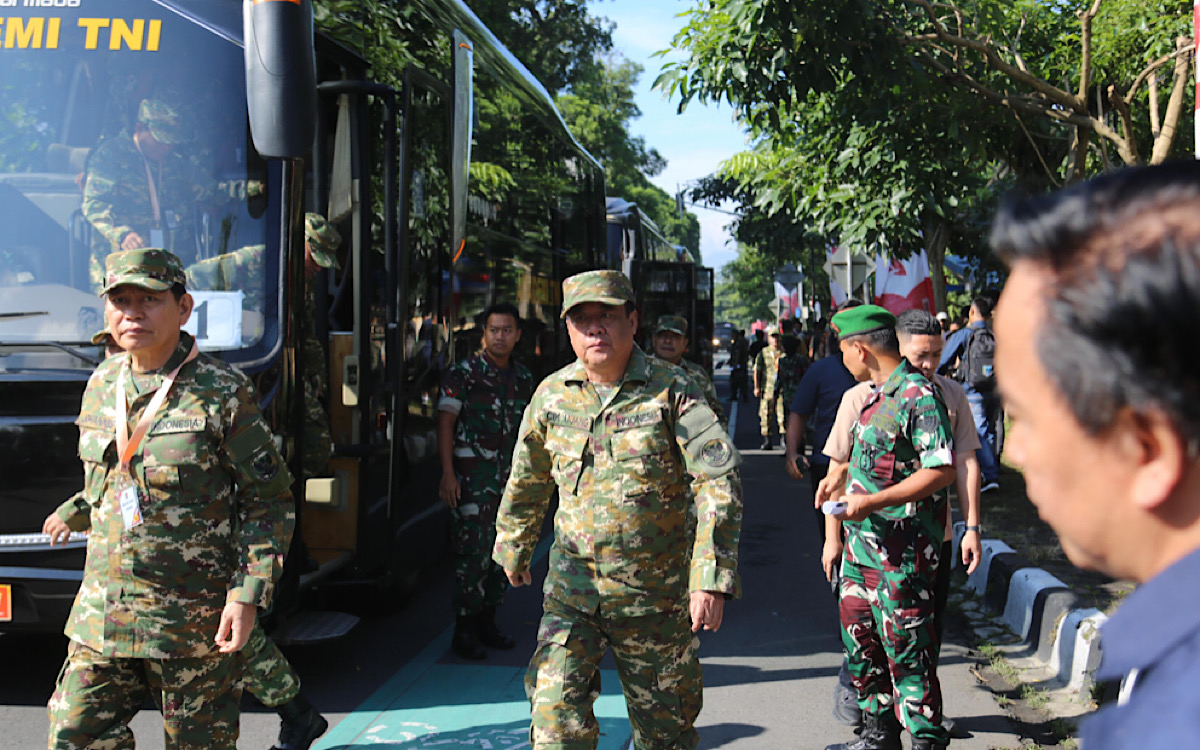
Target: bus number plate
(6, 607)
(216, 320)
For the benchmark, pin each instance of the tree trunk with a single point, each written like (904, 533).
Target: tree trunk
(937, 236)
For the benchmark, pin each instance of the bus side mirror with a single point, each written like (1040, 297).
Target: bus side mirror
(281, 76)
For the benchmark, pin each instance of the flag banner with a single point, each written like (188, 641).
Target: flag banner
(903, 284)
(836, 293)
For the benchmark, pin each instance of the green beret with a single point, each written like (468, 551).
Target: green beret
(148, 267)
(164, 121)
(672, 323)
(856, 321)
(323, 240)
(607, 287)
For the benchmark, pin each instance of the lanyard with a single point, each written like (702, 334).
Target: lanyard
(126, 445)
(153, 191)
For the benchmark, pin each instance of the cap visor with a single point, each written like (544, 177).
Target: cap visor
(145, 282)
(601, 300)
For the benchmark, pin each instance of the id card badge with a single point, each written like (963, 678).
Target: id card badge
(157, 238)
(127, 496)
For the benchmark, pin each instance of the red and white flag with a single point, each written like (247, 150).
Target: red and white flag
(903, 284)
(791, 300)
(836, 293)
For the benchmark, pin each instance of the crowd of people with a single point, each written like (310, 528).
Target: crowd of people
(188, 498)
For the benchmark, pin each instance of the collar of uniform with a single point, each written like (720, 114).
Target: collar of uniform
(892, 384)
(1153, 620)
(181, 351)
(637, 369)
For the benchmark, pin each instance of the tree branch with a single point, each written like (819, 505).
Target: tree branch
(1085, 45)
(1162, 144)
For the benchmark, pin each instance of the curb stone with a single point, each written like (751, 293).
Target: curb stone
(1041, 610)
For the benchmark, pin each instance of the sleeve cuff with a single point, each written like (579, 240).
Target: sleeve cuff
(707, 575)
(452, 405)
(509, 556)
(251, 590)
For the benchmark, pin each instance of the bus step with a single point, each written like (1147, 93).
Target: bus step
(310, 627)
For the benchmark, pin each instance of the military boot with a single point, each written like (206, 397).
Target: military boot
(845, 699)
(877, 733)
(466, 638)
(920, 744)
(301, 726)
(490, 635)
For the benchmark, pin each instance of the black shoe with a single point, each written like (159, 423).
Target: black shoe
(301, 725)
(466, 638)
(878, 733)
(919, 744)
(952, 727)
(845, 705)
(766, 444)
(490, 635)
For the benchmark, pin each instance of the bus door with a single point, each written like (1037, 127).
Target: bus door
(662, 288)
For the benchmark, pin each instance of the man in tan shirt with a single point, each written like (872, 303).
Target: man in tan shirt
(921, 344)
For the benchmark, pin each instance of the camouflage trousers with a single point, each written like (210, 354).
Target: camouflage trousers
(657, 662)
(318, 442)
(479, 580)
(770, 415)
(892, 645)
(96, 697)
(266, 672)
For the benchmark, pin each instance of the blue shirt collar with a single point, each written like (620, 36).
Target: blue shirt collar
(1153, 620)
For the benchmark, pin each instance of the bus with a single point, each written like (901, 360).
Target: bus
(440, 159)
(665, 276)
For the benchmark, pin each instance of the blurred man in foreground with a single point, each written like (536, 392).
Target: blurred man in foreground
(1095, 359)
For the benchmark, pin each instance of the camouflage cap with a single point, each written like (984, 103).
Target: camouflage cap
(672, 323)
(149, 268)
(323, 240)
(99, 336)
(607, 287)
(856, 321)
(165, 122)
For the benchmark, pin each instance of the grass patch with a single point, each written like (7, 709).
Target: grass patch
(1037, 698)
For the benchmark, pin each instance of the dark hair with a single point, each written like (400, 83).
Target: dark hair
(791, 345)
(983, 305)
(917, 323)
(1124, 250)
(498, 308)
(177, 291)
(882, 339)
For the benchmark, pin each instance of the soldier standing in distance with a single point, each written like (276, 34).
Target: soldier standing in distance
(483, 397)
(191, 512)
(627, 441)
(903, 454)
(670, 344)
(770, 409)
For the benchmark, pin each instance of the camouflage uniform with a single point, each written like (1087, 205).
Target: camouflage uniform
(117, 197)
(323, 241)
(890, 560)
(488, 403)
(789, 371)
(243, 270)
(704, 382)
(770, 408)
(217, 512)
(629, 545)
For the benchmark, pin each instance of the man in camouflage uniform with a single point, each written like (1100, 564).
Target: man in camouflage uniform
(789, 371)
(482, 399)
(902, 454)
(139, 189)
(770, 408)
(321, 242)
(190, 519)
(627, 442)
(670, 344)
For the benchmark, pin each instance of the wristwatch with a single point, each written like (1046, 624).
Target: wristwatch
(974, 528)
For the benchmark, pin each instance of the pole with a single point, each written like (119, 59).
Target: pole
(1196, 67)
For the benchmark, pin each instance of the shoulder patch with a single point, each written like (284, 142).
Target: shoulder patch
(265, 466)
(716, 453)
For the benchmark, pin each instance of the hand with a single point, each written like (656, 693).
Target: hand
(132, 241)
(831, 557)
(449, 490)
(237, 620)
(757, 392)
(792, 469)
(57, 529)
(858, 507)
(827, 488)
(972, 551)
(519, 578)
(707, 609)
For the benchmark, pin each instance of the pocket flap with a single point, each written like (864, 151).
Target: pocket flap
(93, 444)
(566, 441)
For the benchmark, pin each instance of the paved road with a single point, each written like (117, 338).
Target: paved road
(768, 673)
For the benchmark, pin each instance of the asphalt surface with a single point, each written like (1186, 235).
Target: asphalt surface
(769, 672)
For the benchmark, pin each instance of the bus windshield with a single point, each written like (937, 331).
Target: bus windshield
(123, 125)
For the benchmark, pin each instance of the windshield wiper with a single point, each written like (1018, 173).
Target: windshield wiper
(29, 314)
(53, 345)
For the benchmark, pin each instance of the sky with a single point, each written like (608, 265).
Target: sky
(694, 143)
